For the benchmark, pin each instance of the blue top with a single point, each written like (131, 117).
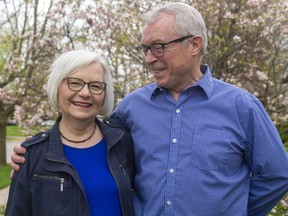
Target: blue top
(213, 152)
(100, 187)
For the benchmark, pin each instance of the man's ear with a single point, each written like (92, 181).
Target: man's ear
(197, 44)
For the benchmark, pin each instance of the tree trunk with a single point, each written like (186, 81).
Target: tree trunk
(3, 122)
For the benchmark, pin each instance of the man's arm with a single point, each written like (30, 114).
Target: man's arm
(265, 155)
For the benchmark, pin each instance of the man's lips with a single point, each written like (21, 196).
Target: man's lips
(157, 71)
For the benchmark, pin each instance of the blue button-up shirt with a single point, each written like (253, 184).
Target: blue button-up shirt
(215, 151)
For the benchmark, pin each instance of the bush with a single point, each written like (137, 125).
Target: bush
(283, 131)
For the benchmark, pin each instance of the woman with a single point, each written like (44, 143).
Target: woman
(82, 166)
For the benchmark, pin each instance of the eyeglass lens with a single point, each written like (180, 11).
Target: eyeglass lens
(76, 84)
(158, 48)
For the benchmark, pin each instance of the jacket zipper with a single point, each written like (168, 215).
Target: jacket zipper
(62, 180)
(122, 167)
(64, 162)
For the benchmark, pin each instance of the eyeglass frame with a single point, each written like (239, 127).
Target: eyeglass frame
(144, 49)
(84, 83)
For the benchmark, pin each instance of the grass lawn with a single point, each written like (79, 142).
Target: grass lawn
(4, 176)
(14, 134)
(2, 210)
(4, 182)
(14, 130)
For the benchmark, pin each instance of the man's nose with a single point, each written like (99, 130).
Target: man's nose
(149, 57)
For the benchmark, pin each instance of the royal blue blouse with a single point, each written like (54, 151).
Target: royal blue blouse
(99, 185)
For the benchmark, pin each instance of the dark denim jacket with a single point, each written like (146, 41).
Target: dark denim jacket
(47, 184)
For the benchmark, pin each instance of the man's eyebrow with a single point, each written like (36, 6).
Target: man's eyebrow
(153, 42)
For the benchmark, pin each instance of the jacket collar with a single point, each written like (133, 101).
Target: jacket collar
(111, 134)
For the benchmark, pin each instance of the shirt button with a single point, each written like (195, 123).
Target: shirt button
(174, 140)
(169, 203)
(171, 170)
(177, 110)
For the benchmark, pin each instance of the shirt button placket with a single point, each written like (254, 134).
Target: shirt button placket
(172, 162)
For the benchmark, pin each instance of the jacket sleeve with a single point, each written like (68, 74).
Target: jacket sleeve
(19, 199)
(265, 155)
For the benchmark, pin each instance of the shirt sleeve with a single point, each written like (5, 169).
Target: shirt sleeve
(119, 115)
(265, 155)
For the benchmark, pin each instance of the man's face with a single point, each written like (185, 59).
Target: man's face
(173, 69)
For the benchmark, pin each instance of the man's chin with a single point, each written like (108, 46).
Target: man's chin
(160, 84)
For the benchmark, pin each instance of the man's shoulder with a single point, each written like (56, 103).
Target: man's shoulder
(147, 89)
(223, 85)
(139, 94)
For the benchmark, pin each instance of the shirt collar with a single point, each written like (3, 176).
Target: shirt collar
(206, 82)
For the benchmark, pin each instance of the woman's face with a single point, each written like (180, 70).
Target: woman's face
(82, 105)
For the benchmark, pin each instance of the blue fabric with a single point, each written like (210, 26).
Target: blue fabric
(213, 152)
(100, 187)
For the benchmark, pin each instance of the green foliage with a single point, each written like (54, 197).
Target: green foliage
(4, 176)
(283, 130)
(281, 209)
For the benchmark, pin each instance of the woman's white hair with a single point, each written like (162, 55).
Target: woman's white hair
(69, 62)
(187, 20)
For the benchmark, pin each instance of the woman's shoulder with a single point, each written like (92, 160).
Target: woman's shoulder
(36, 139)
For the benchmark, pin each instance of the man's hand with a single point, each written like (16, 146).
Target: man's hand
(17, 158)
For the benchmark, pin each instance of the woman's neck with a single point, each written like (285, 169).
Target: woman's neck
(79, 134)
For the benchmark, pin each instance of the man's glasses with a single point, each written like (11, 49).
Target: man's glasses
(157, 49)
(76, 84)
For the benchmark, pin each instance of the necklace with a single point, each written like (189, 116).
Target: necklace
(81, 141)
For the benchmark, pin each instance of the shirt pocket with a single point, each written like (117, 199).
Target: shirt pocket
(210, 148)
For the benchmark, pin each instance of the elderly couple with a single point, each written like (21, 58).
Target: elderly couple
(186, 145)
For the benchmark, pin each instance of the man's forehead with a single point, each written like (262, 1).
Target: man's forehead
(159, 30)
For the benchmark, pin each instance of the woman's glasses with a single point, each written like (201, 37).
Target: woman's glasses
(76, 84)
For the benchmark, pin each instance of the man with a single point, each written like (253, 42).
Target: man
(202, 146)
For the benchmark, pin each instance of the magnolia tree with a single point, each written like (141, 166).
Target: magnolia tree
(248, 42)
(247, 46)
(23, 29)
